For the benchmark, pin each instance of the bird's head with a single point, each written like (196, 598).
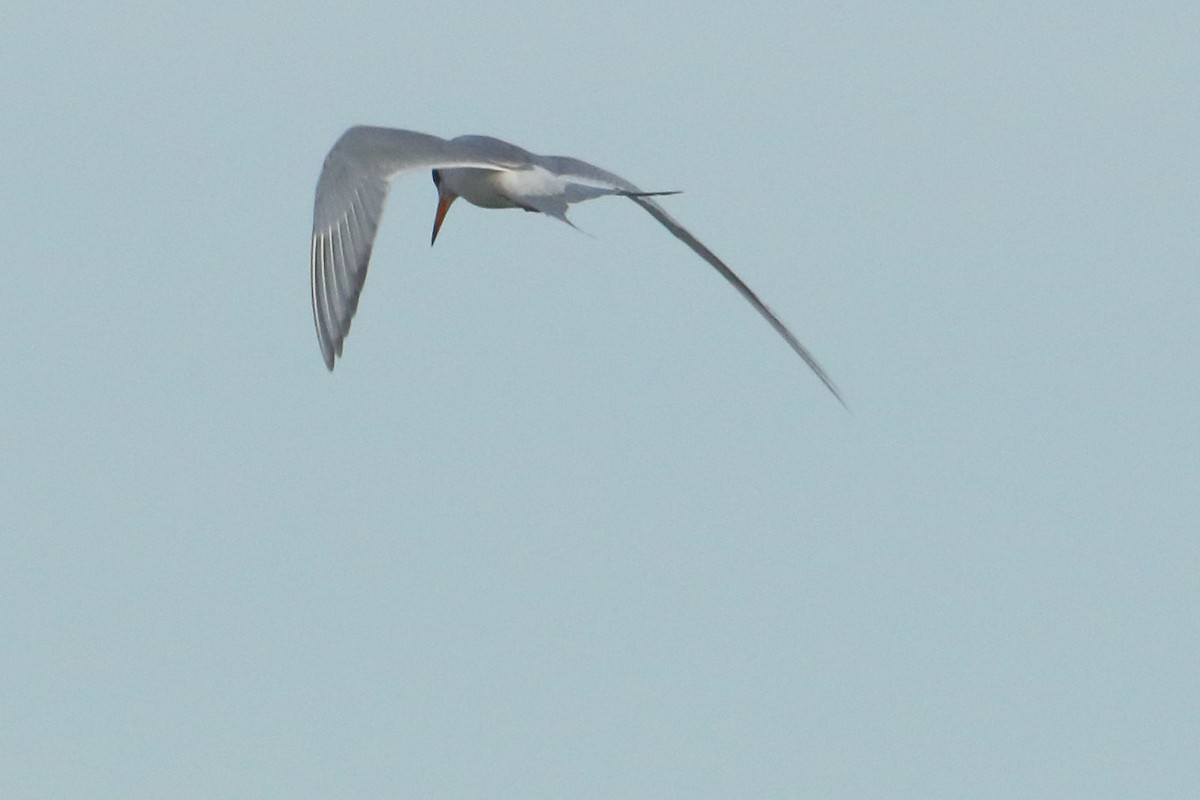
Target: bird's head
(445, 198)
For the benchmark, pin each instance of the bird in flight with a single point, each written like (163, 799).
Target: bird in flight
(485, 172)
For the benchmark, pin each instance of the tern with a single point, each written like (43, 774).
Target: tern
(485, 172)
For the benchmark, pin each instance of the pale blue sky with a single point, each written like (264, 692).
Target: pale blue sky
(569, 519)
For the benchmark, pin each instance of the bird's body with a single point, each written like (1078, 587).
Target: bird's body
(485, 172)
(494, 188)
(486, 188)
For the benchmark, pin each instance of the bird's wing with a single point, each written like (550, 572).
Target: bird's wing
(684, 235)
(587, 181)
(583, 181)
(350, 197)
(576, 181)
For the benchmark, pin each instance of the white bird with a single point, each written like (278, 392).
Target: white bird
(486, 172)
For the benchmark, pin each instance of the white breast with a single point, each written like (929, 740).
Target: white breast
(477, 186)
(502, 188)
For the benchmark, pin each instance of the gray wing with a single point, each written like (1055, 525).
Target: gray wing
(582, 181)
(590, 181)
(684, 235)
(350, 197)
(586, 181)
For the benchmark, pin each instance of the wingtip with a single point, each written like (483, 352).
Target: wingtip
(838, 395)
(327, 352)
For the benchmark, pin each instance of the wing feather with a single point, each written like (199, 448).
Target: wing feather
(351, 193)
(684, 235)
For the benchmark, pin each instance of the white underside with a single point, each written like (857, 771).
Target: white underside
(521, 188)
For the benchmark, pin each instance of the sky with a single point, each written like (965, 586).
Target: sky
(569, 519)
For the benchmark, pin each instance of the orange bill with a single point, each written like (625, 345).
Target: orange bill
(444, 201)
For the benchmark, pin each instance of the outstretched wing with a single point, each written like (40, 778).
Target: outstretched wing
(586, 181)
(583, 181)
(684, 235)
(350, 197)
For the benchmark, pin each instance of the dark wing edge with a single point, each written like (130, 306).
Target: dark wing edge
(341, 253)
(682, 234)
